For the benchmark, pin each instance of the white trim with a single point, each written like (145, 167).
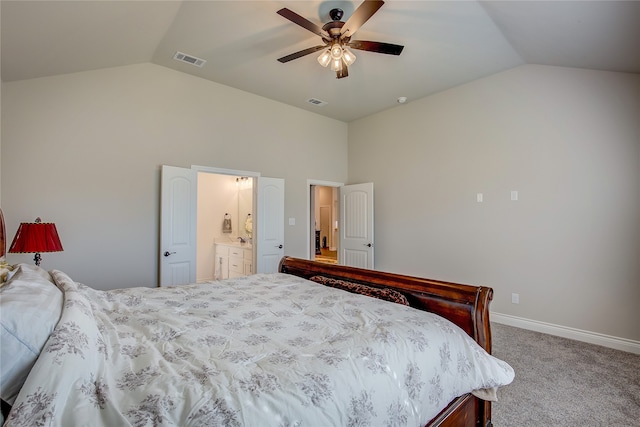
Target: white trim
(617, 343)
(321, 183)
(222, 171)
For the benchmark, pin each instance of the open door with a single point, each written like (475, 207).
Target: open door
(178, 222)
(270, 231)
(356, 225)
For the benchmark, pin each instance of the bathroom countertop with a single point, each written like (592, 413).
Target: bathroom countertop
(236, 244)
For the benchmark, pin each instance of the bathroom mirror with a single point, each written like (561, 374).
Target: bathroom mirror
(245, 204)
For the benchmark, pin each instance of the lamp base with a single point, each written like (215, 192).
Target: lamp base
(37, 258)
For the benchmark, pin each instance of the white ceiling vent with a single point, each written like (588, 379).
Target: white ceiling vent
(317, 102)
(183, 57)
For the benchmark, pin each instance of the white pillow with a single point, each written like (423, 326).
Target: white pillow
(4, 272)
(30, 307)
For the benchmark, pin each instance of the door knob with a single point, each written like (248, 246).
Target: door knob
(279, 246)
(167, 253)
(368, 245)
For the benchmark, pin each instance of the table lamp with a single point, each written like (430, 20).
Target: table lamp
(36, 237)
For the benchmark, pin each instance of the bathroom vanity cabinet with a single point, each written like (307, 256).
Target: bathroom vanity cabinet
(233, 260)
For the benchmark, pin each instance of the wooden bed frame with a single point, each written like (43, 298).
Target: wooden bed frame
(466, 306)
(3, 235)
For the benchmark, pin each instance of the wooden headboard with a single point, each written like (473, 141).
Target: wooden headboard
(465, 305)
(3, 234)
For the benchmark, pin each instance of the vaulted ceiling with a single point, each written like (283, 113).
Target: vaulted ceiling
(447, 43)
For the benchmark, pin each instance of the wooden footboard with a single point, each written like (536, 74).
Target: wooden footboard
(465, 305)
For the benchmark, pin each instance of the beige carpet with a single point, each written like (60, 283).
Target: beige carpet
(561, 382)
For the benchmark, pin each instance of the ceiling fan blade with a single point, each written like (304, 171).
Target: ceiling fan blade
(301, 53)
(360, 16)
(303, 22)
(378, 47)
(342, 72)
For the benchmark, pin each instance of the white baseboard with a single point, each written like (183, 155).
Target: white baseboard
(623, 344)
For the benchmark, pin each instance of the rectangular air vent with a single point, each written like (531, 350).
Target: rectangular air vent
(317, 102)
(183, 57)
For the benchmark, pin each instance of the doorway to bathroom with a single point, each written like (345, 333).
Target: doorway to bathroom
(224, 219)
(179, 223)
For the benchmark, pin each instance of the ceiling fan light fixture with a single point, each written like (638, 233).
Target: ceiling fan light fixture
(336, 51)
(337, 35)
(348, 56)
(325, 58)
(336, 64)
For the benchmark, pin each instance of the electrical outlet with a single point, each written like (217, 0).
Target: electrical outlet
(515, 298)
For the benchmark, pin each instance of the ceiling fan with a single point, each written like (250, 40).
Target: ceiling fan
(336, 36)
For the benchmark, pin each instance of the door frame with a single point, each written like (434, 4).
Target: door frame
(222, 171)
(310, 183)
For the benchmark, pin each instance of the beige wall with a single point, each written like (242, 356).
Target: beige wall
(85, 150)
(567, 140)
(1, 150)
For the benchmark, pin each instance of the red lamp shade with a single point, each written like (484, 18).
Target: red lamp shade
(36, 237)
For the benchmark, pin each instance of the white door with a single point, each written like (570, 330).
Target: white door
(178, 219)
(356, 225)
(270, 230)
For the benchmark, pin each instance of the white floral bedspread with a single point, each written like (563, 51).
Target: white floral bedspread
(265, 350)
